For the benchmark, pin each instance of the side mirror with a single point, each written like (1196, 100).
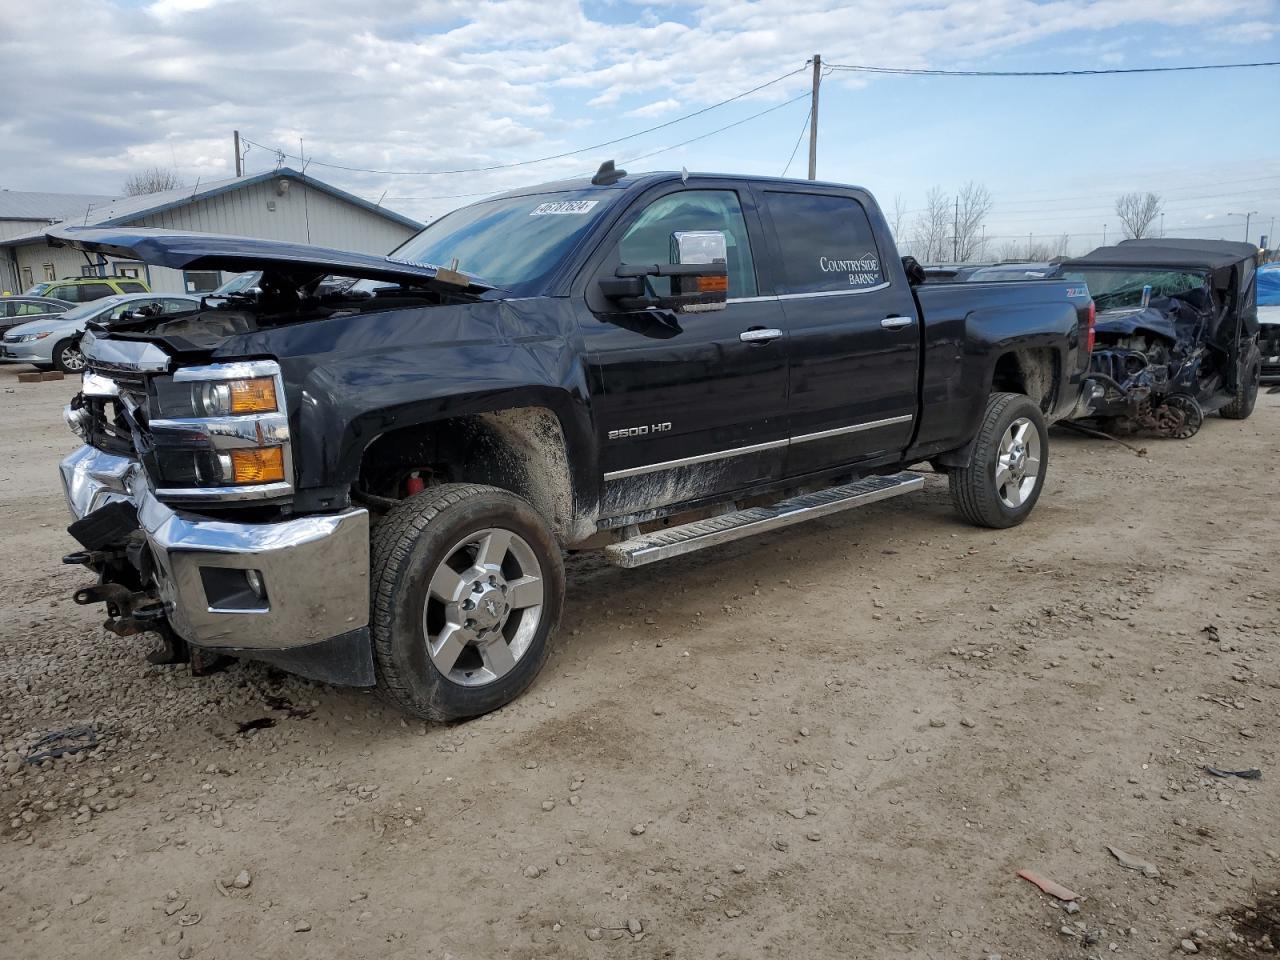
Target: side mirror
(698, 272)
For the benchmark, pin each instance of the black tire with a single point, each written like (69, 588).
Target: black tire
(408, 546)
(973, 489)
(63, 351)
(1246, 395)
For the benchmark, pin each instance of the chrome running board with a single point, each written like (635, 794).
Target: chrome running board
(674, 541)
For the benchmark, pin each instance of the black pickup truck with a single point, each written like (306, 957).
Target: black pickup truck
(377, 486)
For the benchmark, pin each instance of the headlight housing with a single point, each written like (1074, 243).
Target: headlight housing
(220, 432)
(27, 337)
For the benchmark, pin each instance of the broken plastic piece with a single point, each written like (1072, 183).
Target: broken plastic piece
(1130, 862)
(1050, 887)
(1253, 773)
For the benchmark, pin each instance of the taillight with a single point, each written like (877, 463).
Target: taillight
(1089, 334)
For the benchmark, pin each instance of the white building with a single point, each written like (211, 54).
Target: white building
(281, 205)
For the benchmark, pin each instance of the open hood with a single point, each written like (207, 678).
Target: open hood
(207, 251)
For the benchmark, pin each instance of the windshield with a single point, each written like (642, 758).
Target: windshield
(1113, 289)
(240, 283)
(514, 243)
(37, 289)
(1024, 272)
(90, 309)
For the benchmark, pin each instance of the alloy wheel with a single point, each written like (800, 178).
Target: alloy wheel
(1017, 463)
(483, 607)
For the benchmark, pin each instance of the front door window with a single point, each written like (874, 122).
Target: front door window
(649, 238)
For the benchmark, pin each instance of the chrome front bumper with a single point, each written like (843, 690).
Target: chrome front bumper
(314, 570)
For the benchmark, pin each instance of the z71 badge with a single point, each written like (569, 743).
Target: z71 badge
(627, 432)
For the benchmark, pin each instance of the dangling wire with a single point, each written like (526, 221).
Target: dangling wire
(807, 117)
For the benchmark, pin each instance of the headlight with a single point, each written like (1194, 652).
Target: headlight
(216, 398)
(28, 337)
(220, 432)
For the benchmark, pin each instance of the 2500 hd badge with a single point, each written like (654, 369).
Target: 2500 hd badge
(627, 432)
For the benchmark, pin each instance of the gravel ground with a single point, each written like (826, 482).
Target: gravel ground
(841, 740)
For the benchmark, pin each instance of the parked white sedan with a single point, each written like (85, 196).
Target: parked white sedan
(54, 341)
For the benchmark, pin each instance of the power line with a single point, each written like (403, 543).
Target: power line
(1106, 198)
(524, 163)
(712, 133)
(808, 115)
(929, 72)
(632, 159)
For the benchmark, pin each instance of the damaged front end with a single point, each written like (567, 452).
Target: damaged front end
(1149, 379)
(150, 491)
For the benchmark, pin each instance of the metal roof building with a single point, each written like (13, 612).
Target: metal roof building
(280, 205)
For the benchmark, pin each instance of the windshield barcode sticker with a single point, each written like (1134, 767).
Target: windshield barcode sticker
(563, 206)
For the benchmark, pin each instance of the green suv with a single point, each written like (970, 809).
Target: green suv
(86, 289)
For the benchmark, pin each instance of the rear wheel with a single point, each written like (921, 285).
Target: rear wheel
(1246, 395)
(468, 583)
(67, 356)
(1006, 473)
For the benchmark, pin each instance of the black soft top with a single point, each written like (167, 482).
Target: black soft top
(1169, 252)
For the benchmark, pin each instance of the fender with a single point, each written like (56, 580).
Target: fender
(351, 378)
(963, 348)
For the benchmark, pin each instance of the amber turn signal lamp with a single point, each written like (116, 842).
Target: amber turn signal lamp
(257, 465)
(253, 396)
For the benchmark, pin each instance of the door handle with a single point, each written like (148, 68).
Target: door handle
(759, 335)
(896, 323)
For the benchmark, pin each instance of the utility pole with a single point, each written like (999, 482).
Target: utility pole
(955, 233)
(1162, 225)
(239, 160)
(1247, 217)
(1104, 234)
(813, 117)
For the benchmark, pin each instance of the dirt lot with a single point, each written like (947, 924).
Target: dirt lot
(842, 740)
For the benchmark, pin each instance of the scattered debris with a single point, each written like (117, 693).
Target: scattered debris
(1130, 862)
(1253, 773)
(61, 743)
(1051, 887)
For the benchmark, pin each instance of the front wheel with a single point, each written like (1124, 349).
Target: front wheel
(467, 587)
(1005, 475)
(1246, 395)
(67, 356)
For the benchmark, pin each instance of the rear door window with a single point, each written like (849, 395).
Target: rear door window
(95, 291)
(825, 241)
(131, 286)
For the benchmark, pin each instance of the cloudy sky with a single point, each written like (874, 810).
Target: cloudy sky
(94, 91)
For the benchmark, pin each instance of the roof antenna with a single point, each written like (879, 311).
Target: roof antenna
(684, 174)
(607, 175)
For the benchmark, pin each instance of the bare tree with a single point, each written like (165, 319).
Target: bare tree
(1010, 250)
(152, 180)
(973, 203)
(1033, 250)
(933, 227)
(1137, 212)
(899, 213)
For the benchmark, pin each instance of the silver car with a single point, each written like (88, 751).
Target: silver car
(53, 341)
